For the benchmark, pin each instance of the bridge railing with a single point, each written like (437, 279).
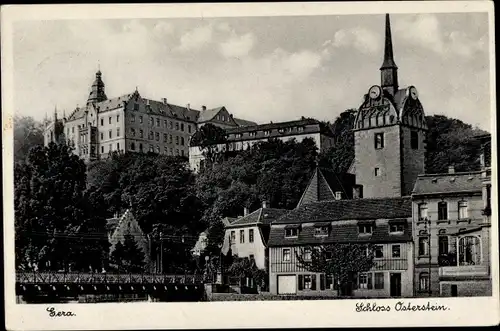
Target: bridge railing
(78, 277)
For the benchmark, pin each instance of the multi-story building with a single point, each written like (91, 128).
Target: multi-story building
(385, 222)
(451, 236)
(247, 236)
(389, 134)
(243, 137)
(131, 123)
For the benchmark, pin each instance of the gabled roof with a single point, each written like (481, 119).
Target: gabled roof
(208, 114)
(323, 185)
(260, 216)
(241, 122)
(448, 183)
(356, 209)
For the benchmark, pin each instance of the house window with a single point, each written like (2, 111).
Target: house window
(109, 120)
(136, 108)
(110, 133)
(165, 137)
(250, 235)
(189, 128)
(140, 148)
(182, 152)
(233, 236)
(414, 140)
(377, 172)
(158, 149)
(423, 246)
(151, 121)
(442, 210)
(379, 251)
(395, 228)
(151, 148)
(110, 147)
(177, 125)
(462, 210)
(141, 133)
(286, 254)
(182, 141)
(267, 132)
(102, 149)
(307, 282)
(365, 281)
(396, 251)
(102, 121)
(140, 119)
(424, 281)
(422, 211)
(157, 136)
(291, 232)
(469, 251)
(307, 254)
(379, 140)
(252, 258)
(117, 118)
(132, 146)
(321, 231)
(365, 228)
(102, 136)
(242, 236)
(117, 132)
(132, 131)
(117, 146)
(379, 280)
(177, 140)
(165, 123)
(132, 118)
(443, 245)
(182, 126)
(157, 122)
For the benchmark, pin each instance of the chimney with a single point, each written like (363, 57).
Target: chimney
(338, 195)
(203, 107)
(264, 204)
(164, 101)
(188, 106)
(451, 169)
(245, 211)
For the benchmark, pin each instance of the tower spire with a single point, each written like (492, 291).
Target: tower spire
(389, 69)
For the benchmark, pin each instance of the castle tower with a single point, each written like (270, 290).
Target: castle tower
(389, 133)
(97, 93)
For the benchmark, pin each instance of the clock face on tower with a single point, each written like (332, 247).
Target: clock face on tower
(413, 93)
(375, 92)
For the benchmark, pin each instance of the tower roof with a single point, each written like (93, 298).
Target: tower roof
(388, 53)
(97, 90)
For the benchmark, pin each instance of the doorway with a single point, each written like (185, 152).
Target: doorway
(395, 282)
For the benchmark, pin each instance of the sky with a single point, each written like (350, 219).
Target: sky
(260, 68)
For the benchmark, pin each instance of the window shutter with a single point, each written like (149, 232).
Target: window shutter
(301, 282)
(313, 282)
(322, 282)
(369, 275)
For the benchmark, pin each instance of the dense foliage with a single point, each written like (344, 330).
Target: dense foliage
(342, 260)
(54, 213)
(27, 134)
(128, 256)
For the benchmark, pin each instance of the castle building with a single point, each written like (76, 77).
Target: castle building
(131, 123)
(389, 134)
(246, 135)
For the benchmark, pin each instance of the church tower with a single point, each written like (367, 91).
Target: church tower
(97, 90)
(389, 133)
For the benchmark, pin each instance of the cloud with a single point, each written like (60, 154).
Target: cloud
(196, 38)
(361, 39)
(426, 31)
(237, 46)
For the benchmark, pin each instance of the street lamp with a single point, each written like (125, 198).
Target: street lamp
(427, 225)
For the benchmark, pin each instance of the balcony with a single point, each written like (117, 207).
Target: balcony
(468, 271)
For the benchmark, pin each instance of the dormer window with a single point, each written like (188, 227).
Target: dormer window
(292, 232)
(396, 228)
(238, 135)
(267, 132)
(365, 228)
(300, 129)
(321, 231)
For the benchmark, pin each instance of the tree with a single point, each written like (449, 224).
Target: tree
(27, 134)
(340, 156)
(208, 138)
(342, 260)
(128, 256)
(53, 212)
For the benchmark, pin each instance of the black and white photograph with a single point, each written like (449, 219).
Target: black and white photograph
(155, 155)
